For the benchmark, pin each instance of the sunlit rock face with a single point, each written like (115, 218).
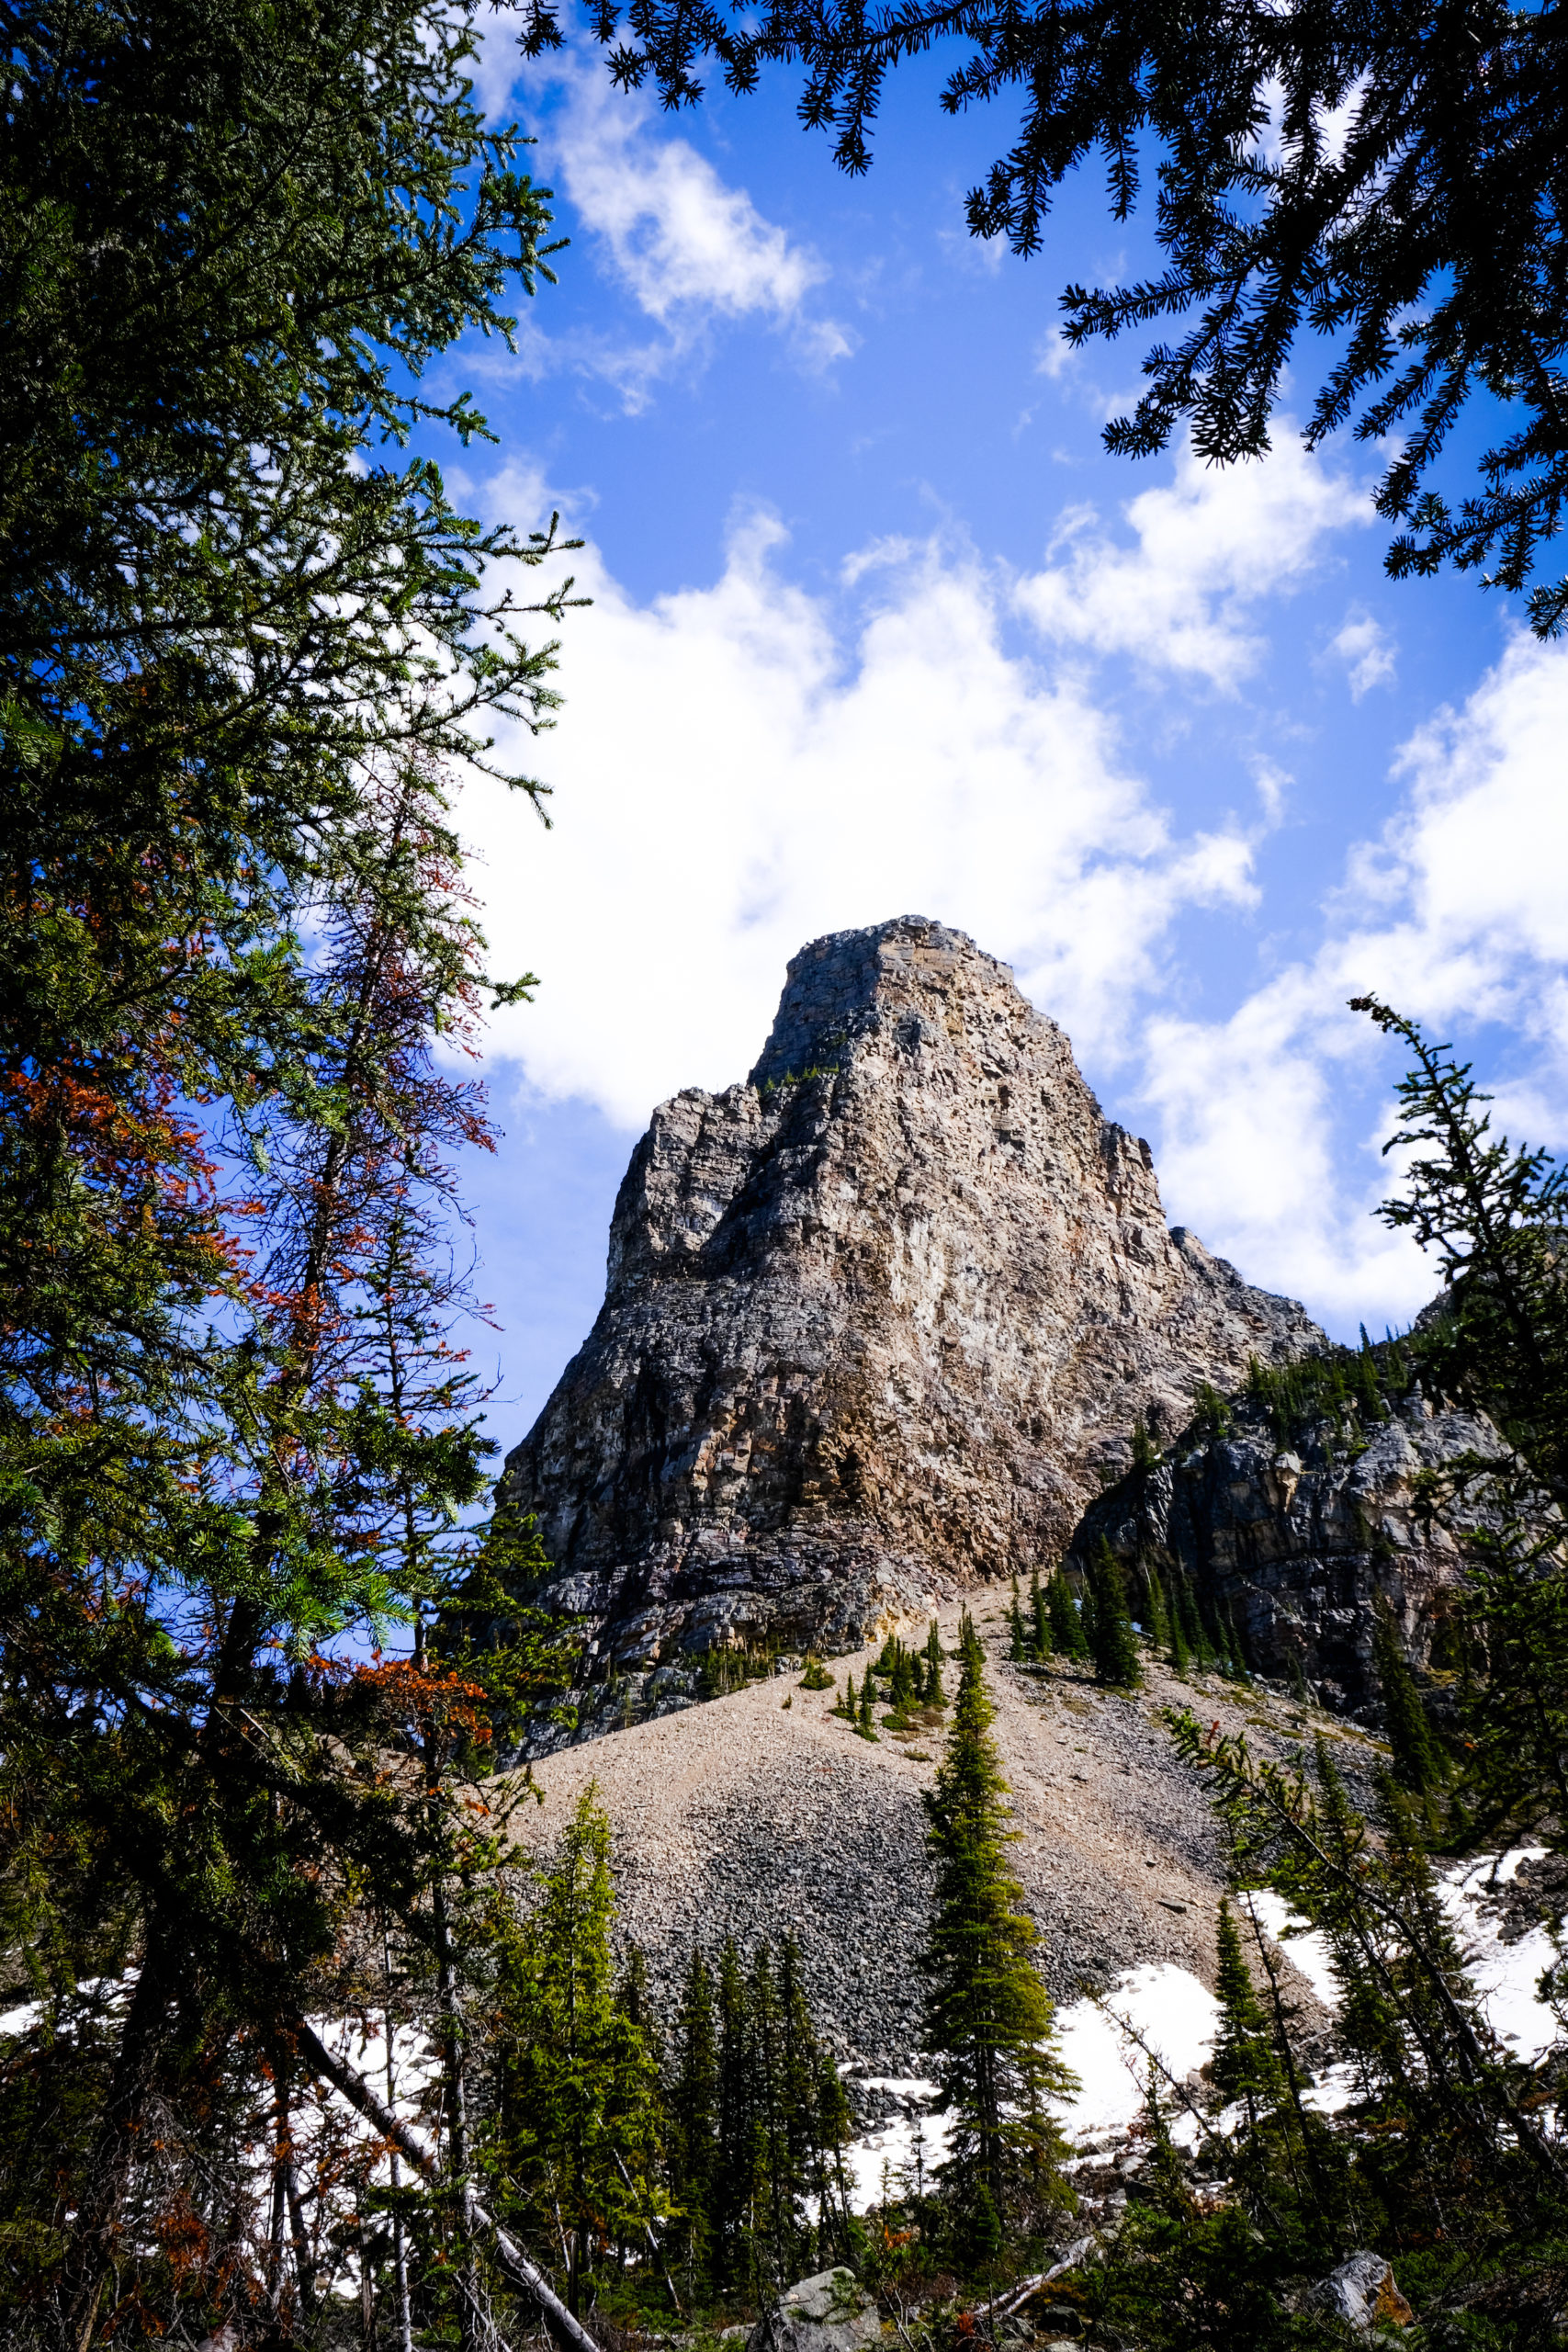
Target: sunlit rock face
(877, 1324)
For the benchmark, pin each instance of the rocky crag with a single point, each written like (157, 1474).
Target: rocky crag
(878, 1323)
(1294, 1526)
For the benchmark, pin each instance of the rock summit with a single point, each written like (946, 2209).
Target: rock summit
(877, 1325)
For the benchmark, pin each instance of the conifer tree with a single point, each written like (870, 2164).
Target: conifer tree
(988, 2017)
(864, 1722)
(1185, 1613)
(933, 1694)
(1113, 1644)
(1408, 2014)
(816, 2112)
(904, 1690)
(1416, 1763)
(773, 2231)
(694, 2127)
(574, 2130)
(798, 2093)
(1067, 1637)
(1086, 1615)
(1039, 1617)
(1245, 2065)
(1015, 1624)
(734, 2204)
(1157, 1616)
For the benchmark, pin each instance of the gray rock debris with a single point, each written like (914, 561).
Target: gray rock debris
(827, 2313)
(876, 1324)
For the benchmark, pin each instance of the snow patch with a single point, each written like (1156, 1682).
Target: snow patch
(1307, 1947)
(1505, 1976)
(1156, 2007)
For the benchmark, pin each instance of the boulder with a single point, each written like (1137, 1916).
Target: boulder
(828, 2313)
(1363, 2294)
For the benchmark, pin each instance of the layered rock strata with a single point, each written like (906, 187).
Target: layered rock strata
(877, 1323)
(1297, 1545)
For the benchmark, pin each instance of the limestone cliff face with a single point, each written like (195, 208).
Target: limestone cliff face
(876, 1323)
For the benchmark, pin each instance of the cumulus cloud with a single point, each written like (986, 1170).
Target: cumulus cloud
(1054, 355)
(1366, 650)
(689, 249)
(746, 766)
(1456, 914)
(1206, 547)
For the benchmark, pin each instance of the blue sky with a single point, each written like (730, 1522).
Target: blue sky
(878, 629)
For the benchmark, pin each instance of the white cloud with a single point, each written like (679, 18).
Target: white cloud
(984, 257)
(1335, 124)
(1457, 915)
(689, 249)
(745, 765)
(1053, 354)
(1478, 857)
(1366, 650)
(1208, 546)
(742, 769)
(1273, 784)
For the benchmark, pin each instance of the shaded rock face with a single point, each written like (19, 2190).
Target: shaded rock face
(877, 1322)
(1294, 1545)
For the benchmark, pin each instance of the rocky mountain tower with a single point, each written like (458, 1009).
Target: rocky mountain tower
(877, 1324)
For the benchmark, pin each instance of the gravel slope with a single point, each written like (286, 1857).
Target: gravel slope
(750, 1817)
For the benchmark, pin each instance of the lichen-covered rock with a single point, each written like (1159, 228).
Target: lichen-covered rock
(876, 1323)
(1295, 1545)
(828, 2313)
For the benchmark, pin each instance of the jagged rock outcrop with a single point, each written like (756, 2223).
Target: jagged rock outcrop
(876, 1324)
(1293, 1544)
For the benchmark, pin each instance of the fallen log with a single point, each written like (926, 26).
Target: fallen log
(569, 2333)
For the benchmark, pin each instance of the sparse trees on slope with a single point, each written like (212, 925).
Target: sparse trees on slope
(1417, 1762)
